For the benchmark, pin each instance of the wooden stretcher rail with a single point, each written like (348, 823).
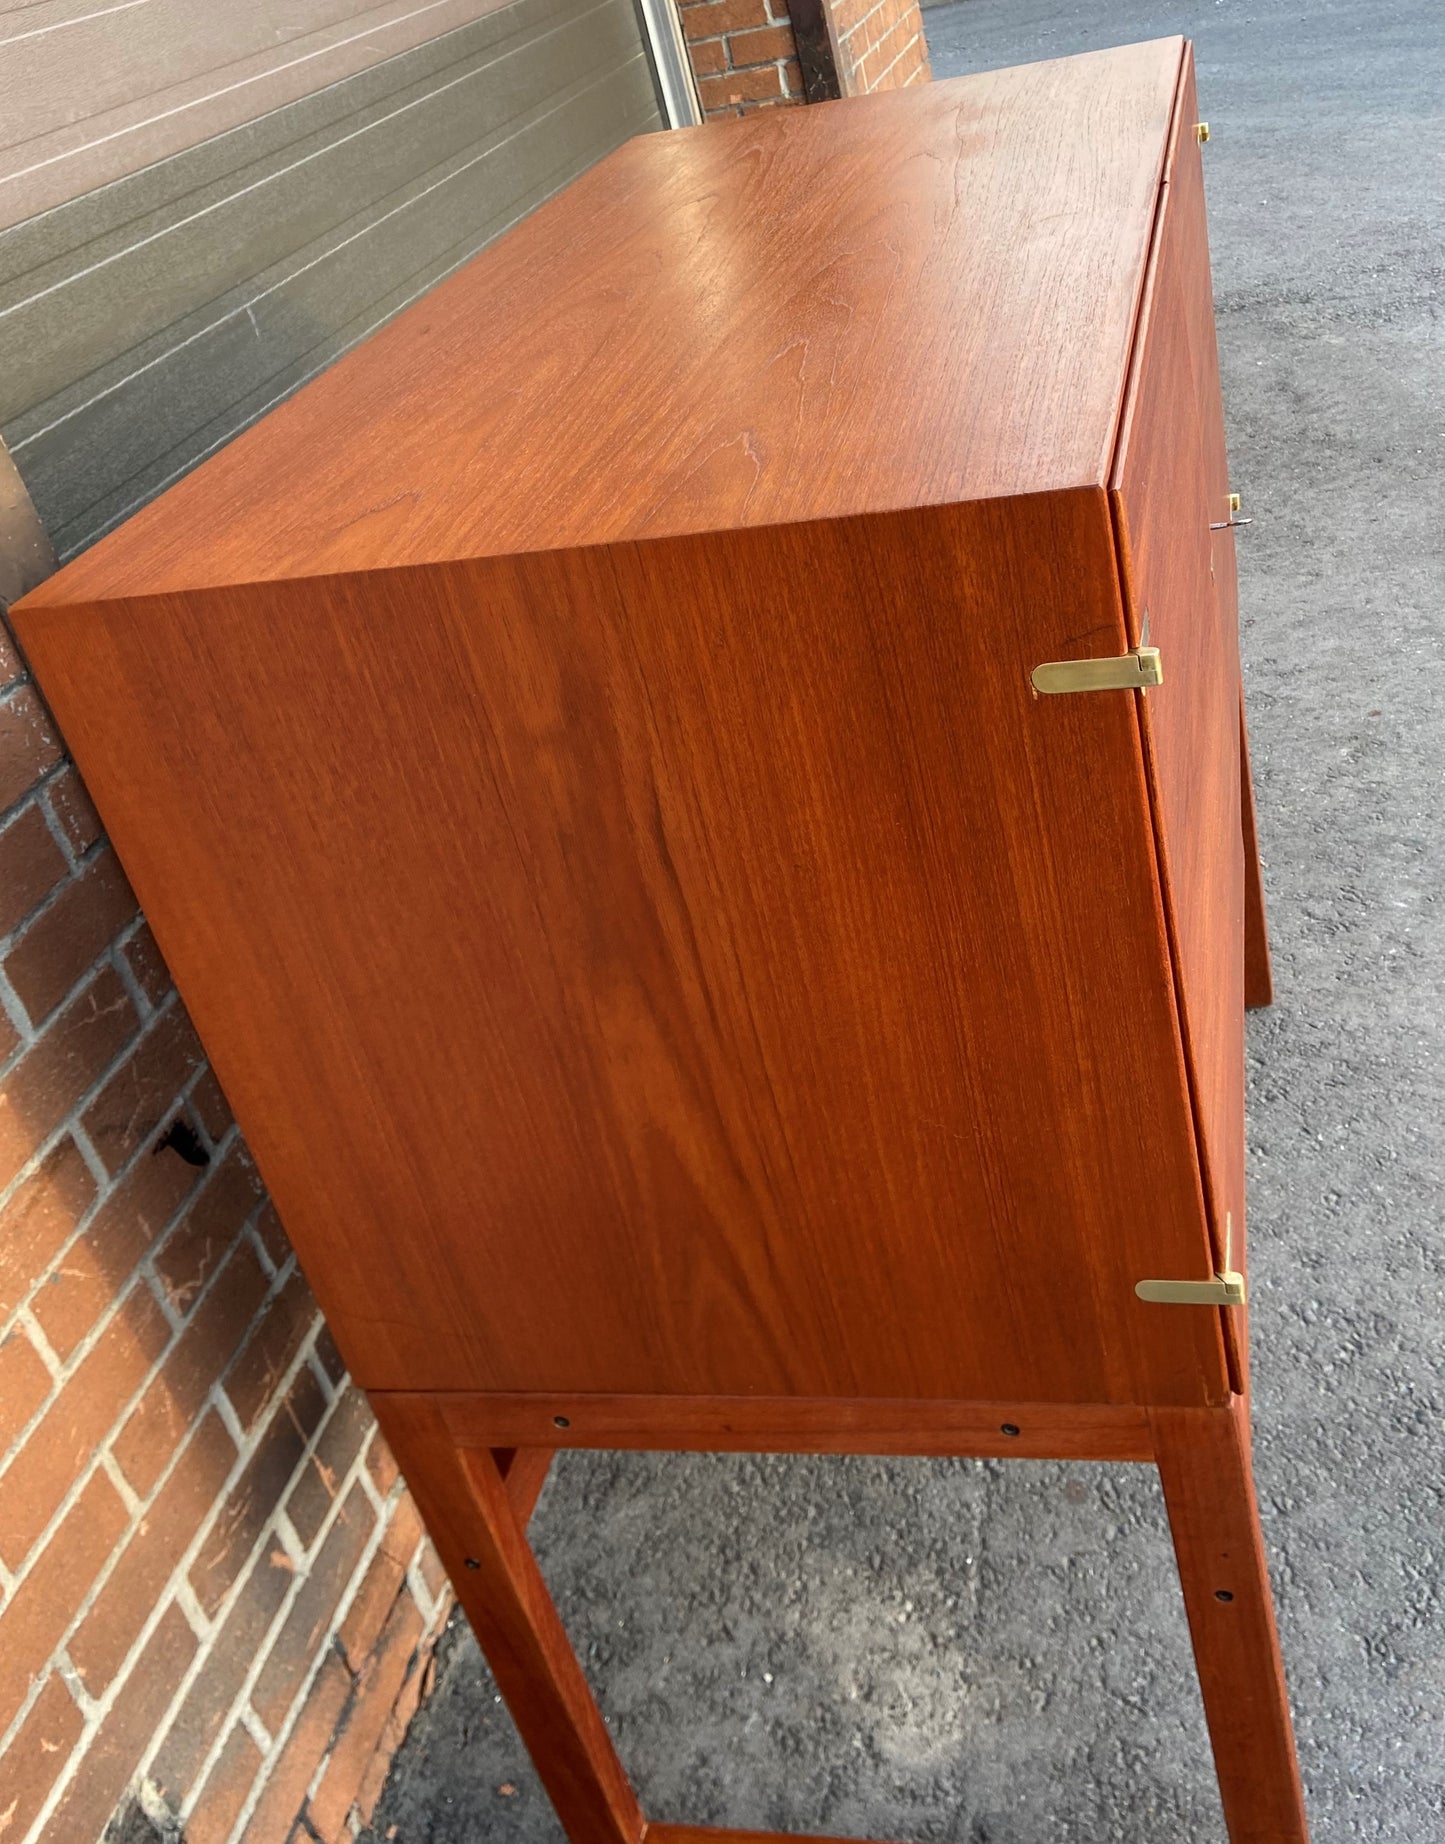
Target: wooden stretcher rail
(791, 1424)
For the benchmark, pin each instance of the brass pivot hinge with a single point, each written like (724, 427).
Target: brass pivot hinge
(1226, 1289)
(1234, 520)
(1130, 671)
(1201, 132)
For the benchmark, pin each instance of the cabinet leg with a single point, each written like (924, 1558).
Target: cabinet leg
(1204, 1466)
(1258, 979)
(479, 1528)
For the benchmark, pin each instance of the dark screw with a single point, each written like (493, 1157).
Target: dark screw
(1010, 1428)
(1223, 1594)
(472, 1563)
(560, 1421)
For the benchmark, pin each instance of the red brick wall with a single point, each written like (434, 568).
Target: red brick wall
(881, 44)
(744, 55)
(215, 1597)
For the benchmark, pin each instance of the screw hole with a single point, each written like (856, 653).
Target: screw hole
(1223, 1594)
(472, 1563)
(560, 1421)
(1010, 1428)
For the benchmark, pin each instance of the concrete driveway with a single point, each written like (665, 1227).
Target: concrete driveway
(996, 1654)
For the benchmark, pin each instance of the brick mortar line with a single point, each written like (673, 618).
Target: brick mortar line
(75, 1684)
(186, 1598)
(142, 1275)
(331, 1391)
(898, 25)
(47, 1145)
(23, 1319)
(20, 1019)
(901, 55)
(103, 1449)
(146, 1266)
(44, 790)
(247, 1719)
(88, 1600)
(252, 1234)
(428, 1604)
(41, 787)
(129, 1497)
(99, 1708)
(869, 23)
(75, 868)
(277, 1527)
(861, 44)
(104, 1183)
(138, 997)
(862, 20)
(324, 1651)
(106, 1189)
(289, 1536)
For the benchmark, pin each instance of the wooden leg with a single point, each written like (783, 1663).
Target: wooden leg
(481, 1538)
(1203, 1458)
(524, 1471)
(1258, 979)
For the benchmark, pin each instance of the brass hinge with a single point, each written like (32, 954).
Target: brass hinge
(1234, 519)
(1201, 132)
(1130, 671)
(1226, 1289)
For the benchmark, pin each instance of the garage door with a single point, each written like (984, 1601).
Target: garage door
(203, 203)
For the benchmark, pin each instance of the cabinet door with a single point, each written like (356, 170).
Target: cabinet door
(1170, 490)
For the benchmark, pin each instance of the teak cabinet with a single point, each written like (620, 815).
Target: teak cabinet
(699, 958)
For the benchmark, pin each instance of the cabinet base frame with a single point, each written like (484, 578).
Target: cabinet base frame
(475, 1464)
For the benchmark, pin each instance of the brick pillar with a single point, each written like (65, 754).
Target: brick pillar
(758, 54)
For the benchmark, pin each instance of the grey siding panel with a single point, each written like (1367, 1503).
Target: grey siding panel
(93, 91)
(143, 325)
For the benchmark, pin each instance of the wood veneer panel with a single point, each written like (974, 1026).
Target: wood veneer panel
(903, 299)
(791, 1424)
(1168, 490)
(700, 966)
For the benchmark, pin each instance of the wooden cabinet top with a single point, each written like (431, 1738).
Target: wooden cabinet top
(903, 300)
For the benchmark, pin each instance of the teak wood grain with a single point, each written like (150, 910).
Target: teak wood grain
(793, 1424)
(801, 315)
(1204, 1468)
(679, 967)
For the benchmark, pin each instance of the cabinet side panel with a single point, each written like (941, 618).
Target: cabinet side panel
(1170, 488)
(695, 967)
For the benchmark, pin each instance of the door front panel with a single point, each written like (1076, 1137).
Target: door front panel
(1170, 489)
